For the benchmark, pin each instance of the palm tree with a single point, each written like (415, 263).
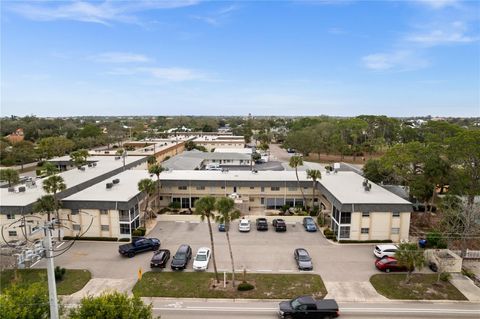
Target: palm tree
(156, 169)
(151, 159)
(79, 157)
(315, 175)
(49, 168)
(295, 162)
(410, 256)
(9, 175)
(53, 185)
(45, 205)
(225, 208)
(205, 207)
(148, 186)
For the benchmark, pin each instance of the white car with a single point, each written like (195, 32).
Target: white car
(202, 258)
(388, 250)
(244, 225)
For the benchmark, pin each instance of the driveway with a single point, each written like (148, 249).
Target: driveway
(345, 269)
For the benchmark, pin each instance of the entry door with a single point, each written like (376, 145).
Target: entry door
(234, 189)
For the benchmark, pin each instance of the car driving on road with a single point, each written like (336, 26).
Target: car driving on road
(307, 307)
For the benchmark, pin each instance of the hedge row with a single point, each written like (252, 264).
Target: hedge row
(91, 238)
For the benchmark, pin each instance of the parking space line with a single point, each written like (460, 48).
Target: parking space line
(180, 221)
(285, 270)
(263, 270)
(194, 222)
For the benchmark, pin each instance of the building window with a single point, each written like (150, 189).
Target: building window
(103, 211)
(223, 187)
(161, 197)
(290, 202)
(76, 227)
(395, 231)
(365, 230)
(345, 232)
(182, 188)
(396, 214)
(274, 188)
(105, 227)
(10, 216)
(125, 229)
(365, 214)
(12, 233)
(123, 215)
(345, 218)
(262, 189)
(292, 189)
(200, 188)
(252, 199)
(251, 187)
(74, 211)
(262, 201)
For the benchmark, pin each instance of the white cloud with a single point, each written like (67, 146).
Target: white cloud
(439, 4)
(119, 57)
(452, 33)
(104, 12)
(171, 74)
(402, 60)
(218, 17)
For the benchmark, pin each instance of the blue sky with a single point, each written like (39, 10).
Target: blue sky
(233, 58)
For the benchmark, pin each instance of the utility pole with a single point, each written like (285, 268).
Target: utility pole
(52, 287)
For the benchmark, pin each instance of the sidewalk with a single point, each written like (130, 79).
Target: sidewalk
(466, 287)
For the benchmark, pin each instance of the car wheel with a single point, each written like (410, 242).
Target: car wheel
(155, 247)
(288, 317)
(387, 270)
(130, 254)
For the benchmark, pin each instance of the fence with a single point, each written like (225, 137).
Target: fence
(469, 254)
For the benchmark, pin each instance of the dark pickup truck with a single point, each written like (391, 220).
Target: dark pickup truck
(139, 245)
(308, 307)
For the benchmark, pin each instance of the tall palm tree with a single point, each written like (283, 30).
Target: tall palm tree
(411, 257)
(148, 186)
(9, 175)
(53, 185)
(48, 168)
(156, 169)
(295, 162)
(315, 175)
(205, 207)
(79, 158)
(45, 205)
(224, 207)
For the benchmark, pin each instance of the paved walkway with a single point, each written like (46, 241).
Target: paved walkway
(98, 286)
(351, 291)
(466, 287)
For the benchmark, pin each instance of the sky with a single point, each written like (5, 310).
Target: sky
(341, 58)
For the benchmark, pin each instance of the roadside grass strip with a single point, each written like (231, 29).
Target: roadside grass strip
(73, 280)
(200, 285)
(421, 287)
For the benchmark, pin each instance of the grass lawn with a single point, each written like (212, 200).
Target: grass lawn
(199, 285)
(421, 286)
(73, 281)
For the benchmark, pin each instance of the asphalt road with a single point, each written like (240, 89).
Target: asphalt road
(175, 308)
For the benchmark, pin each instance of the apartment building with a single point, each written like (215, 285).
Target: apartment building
(191, 160)
(211, 142)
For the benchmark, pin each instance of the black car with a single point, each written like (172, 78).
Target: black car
(139, 245)
(304, 262)
(279, 225)
(262, 224)
(307, 307)
(181, 258)
(160, 258)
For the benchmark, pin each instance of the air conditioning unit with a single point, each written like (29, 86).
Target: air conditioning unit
(21, 189)
(11, 189)
(116, 181)
(117, 157)
(368, 187)
(109, 185)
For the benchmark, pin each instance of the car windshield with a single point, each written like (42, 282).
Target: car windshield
(303, 256)
(179, 256)
(309, 221)
(201, 257)
(295, 303)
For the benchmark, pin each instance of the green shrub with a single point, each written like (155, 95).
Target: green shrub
(163, 210)
(445, 276)
(245, 286)
(321, 220)
(175, 205)
(59, 273)
(139, 232)
(91, 238)
(124, 239)
(435, 240)
(348, 241)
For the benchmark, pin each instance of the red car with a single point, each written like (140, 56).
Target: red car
(389, 264)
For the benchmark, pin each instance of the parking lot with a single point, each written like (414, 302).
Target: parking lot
(265, 251)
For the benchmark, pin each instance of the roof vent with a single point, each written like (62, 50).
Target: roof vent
(368, 187)
(365, 182)
(81, 168)
(116, 181)
(90, 165)
(117, 157)
(11, 189)
(109, 185)
(224, 170)
(21, 189)
(255, 171)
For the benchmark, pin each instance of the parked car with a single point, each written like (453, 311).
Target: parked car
(139, 245)
(389, 264)
(244, 225)
(304, 262)
(262, 223)
(202, 258)
(181, 258)
(160, 258)
(309, 224)
(222, 227)
(290, 150)
(387, 250)
(308, 307)
(279, 225)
